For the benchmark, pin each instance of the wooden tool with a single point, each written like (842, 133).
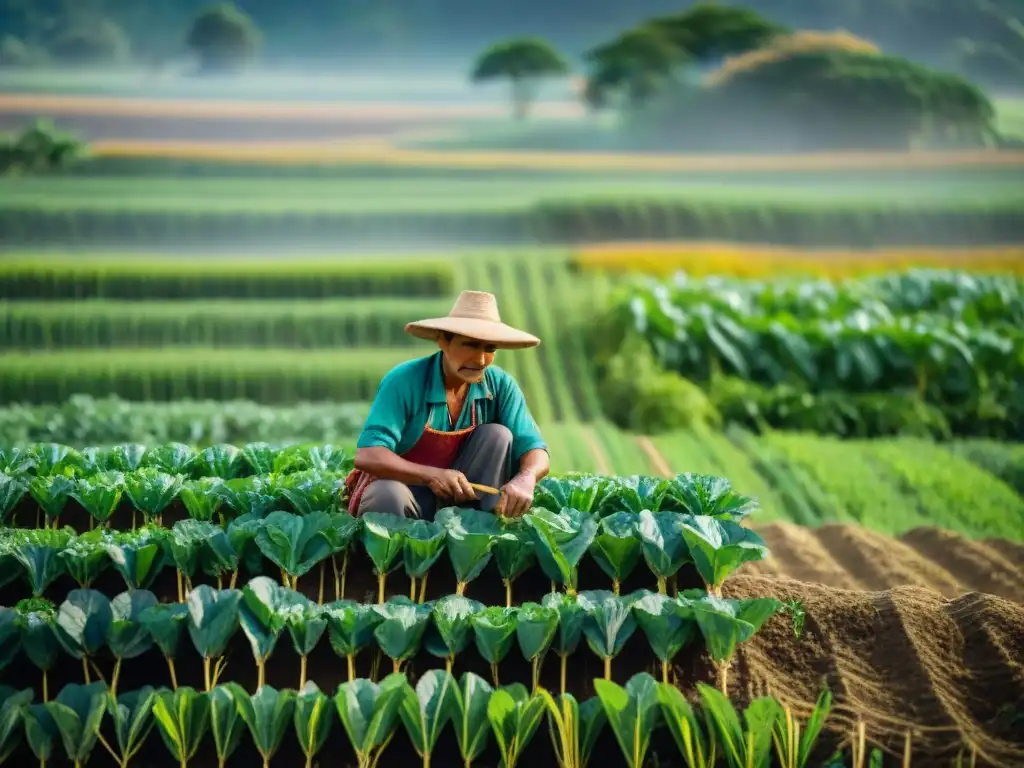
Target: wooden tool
(485, 489)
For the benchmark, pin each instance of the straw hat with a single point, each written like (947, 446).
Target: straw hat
(475, 315)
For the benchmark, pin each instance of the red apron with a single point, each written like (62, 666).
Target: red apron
(433, 449)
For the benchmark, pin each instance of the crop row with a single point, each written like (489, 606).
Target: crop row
(616, 536)
(487, 723)
(83, 421)
(295, 324)
(964, 296)
(265, 375)
(153, 277)
(545, 223)
(87, 625)
(947, 363)
(698, 259)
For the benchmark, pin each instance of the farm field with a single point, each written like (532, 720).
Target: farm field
(193, 323)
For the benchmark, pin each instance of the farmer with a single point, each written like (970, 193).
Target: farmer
(442, 422)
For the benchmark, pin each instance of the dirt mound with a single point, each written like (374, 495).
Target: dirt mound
(848, 557)
(949, 672)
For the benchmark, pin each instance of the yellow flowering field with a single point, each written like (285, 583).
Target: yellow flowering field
(739, 260)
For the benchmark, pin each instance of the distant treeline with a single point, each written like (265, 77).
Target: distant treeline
(939, 32)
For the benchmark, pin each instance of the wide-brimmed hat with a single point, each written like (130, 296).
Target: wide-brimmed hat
(475, 315)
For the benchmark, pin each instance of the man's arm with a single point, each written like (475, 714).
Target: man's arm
(535, 464)
(527, 444)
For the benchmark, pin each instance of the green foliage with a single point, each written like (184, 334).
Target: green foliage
(90, 43)
(224, 38)
(523, 62)
(39, 148)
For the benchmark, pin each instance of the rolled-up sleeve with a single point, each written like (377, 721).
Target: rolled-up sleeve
(513, 413)
(388, 415)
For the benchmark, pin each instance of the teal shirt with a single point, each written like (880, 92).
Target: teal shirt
(407, 392)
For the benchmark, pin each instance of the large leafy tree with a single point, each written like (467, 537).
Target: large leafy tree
(524, 62)
(224, 38)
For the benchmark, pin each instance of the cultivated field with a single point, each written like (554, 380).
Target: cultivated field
(239, 277)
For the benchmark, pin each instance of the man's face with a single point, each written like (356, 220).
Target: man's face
(466, 358)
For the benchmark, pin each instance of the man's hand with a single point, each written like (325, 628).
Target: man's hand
(517, 496)
(451, 484)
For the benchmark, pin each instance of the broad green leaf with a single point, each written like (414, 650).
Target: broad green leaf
(616, 547)
(294, 543)
(350, 626)
(267, 713)
(570, 622)
(684, 725)
(514, 716)
(262, 615)
(166, 624)
(719, 547)
(383, 538)
(12, 488)
(725, 623)
(127, 636)
(535, 629)
(242, 535)
(583, 492)
(741, 746)
(10, 636)
(312, 720)
(38, 551)
(139, 555)
(132, 714)
(668, 623)
(172, 458)
(306, 622)
(223, 460)
(309, 492)
(470, 537)
(469, 715)
(403, 625)
(202, 498)
(608, 621)
(52, 458)
(698, 494)
(85, 556)
(38, 625)
(78, 712)
(634, 494)
(99, 494)
(427, 709)
(516, 551)
(424, 543)
(212, 619)
(226, 723)
(369, 714)
(51, 492)
(151, 491)
(260, 457)
(633, 713)
(494, 631)
(83, 622)
(126, 457)
(41, 731)
(183, 718)
(258, 495)
(662, 543)
(562, 539)
(451, 630)
(13, 704)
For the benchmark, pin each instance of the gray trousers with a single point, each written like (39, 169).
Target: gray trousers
(485, 458)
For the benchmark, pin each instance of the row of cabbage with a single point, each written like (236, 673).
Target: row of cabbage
(972, 298)
(223, 460)
(296, 544)
(89, 627)
(482, 718)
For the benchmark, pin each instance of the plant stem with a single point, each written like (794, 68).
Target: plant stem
(608, 668)
(261, 669)
(206, 672)
(85, 669)
(285, 581)
(174, 674)
(723, 678)
(351, 667)
(46, 688)
(494, 675)
(344, 573)
(234, 579)
(412, 588)
(218, 668)
(565, 658)
(675, 585)
(508, 593)
(664, 672)
(615, 586)
(396, 665)
(114, 677)
(536, 672)
(380, 588)
(448, 665)
(302, 672)
(337, 581)
(423, 587)
(181, 594)
(662, 586)
(97, 671)
(460, 588)
(320, 592)
(220, 582)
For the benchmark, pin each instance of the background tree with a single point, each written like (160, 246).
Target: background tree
(224, 38)
(524, 63)
(636, 63)
(90, 41)
(709, 31)
(39, 148)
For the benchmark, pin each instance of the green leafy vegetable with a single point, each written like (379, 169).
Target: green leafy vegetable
(83, 623)
(427, 709)
(633, 713)
(570, 627)
(424, 543)
(223, 460)
(295, 544)
(494, 631)
(697, 749)
(726, 623)
(182, 718)
(127, 636)
(514, 716)
(514, 553)
(350, 628)
(78, 712)
(562, 540)
(172, 458)
(312, 720)
(719, 547)
(202, 498)
(139, 555)
(85, 556)
(37, 620)
(12, 488)
(13, 704)
(383, 539)
(742, 746)
(607, 625)
(668, 623)
(469, 715)
(267, 713)
(132, 714)
(616, 547)
(306, 622)
(226, 723)
(262, 617)
(451, 629)
(708, 495)
(151, 491)
(99, 494)
(38, 551)
(471, 534)
(401, 631)
(166, 624)
(369, 714)
(212, 621)
(51, 492)
(662, 544)
(535, 629)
